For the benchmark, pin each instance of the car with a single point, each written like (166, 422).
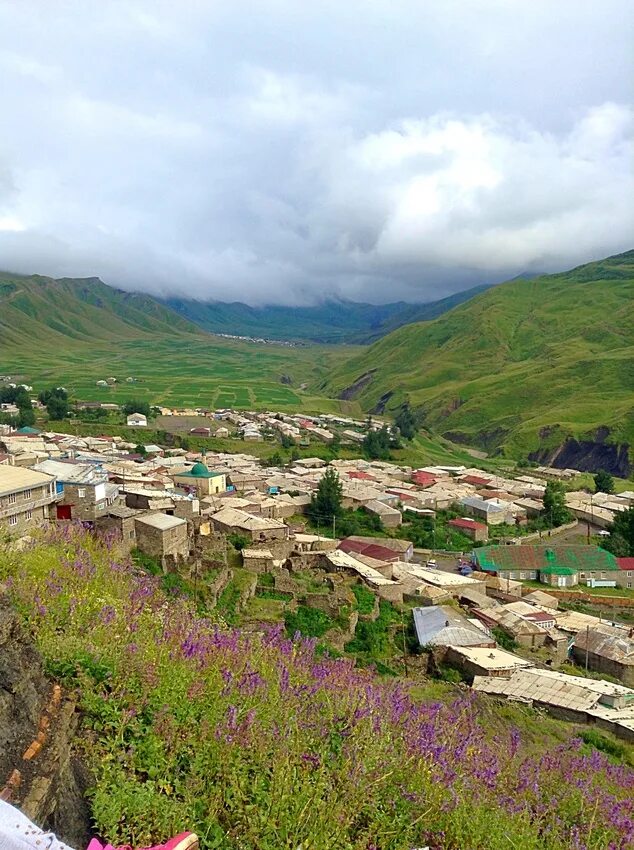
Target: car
(603, 533)
(432, 564)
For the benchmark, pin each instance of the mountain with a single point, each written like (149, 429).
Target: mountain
(544, 366)
(49, 312)
(332, 322)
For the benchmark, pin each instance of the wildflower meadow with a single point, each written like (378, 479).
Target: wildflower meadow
(257, 742)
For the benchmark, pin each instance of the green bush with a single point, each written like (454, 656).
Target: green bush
(308, 622)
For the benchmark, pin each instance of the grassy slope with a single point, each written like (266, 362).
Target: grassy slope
(75, 332)
(554, 351)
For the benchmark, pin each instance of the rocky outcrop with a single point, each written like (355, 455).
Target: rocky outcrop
(588, 456)
(38, 768)
(354, 389)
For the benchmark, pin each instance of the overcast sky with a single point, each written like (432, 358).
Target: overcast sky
(285, 151)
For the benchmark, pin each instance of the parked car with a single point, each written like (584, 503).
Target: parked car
(432, 564)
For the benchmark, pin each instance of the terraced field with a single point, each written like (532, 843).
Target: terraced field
(192, 371)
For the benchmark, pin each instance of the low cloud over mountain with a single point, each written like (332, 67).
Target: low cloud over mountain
(281, 152)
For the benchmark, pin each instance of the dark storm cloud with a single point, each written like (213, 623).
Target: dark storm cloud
(282, 152)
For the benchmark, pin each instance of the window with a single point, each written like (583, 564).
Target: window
(81, 493)
(629, 584)
(629, 573)
(28, 494)
(13, 520)
(28, 515)
(12, 498)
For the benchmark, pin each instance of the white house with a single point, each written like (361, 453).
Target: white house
(137, 419)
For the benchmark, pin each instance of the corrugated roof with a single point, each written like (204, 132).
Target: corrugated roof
(442, 626)
(598, 641)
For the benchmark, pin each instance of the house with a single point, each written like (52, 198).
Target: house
(26, 498)
(390, 517)
(492, 511)
(571, 697)
(545, 600)
(476, 531)
(258, 560)
(560, 564)
(119, 520)
(162, 536)
(200, 431)
(625, 576)
(221, 433)
(441, 625)
(602, 650)
(137, 420)
(403, 549)
(484, 661)
(255, 528)
(85, 492)
(202, 480)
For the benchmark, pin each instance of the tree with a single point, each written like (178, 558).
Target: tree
(376, 445)
(621, 539)
(140, 450)
(555, 510)
(287, 441)
(407, 423)
(26, 417)
(276, 459)
(136, 406)
(326, 501)
(603, 482)
(57, 407)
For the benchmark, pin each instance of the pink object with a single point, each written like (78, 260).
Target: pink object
(182, 841)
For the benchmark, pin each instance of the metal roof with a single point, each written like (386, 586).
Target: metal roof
(16, 478)
(578, 558)
(442, 626)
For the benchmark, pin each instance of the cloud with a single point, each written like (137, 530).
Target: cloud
(282, 153)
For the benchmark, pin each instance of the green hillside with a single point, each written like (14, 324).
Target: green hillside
(519, 367)
(331, 322)
(76, 332)
(57, 312)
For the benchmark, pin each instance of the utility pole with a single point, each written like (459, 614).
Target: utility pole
(404, 645)
(587, 645)
(334, 526)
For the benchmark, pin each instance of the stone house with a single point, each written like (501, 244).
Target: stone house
(162, 536)
(120, 520)
(390, 517)
(255, 528)
(26, 498)
(606, 651)
(85, 492)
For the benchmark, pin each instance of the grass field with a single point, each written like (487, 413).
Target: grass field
(191, 371)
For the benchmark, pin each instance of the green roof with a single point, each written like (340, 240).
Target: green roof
(577, 558)
(28, 430)
(558, 571)
(199, 470)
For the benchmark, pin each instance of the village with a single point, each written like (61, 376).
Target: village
(510, 614)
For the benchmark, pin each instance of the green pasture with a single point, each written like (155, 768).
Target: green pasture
(189, 371)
